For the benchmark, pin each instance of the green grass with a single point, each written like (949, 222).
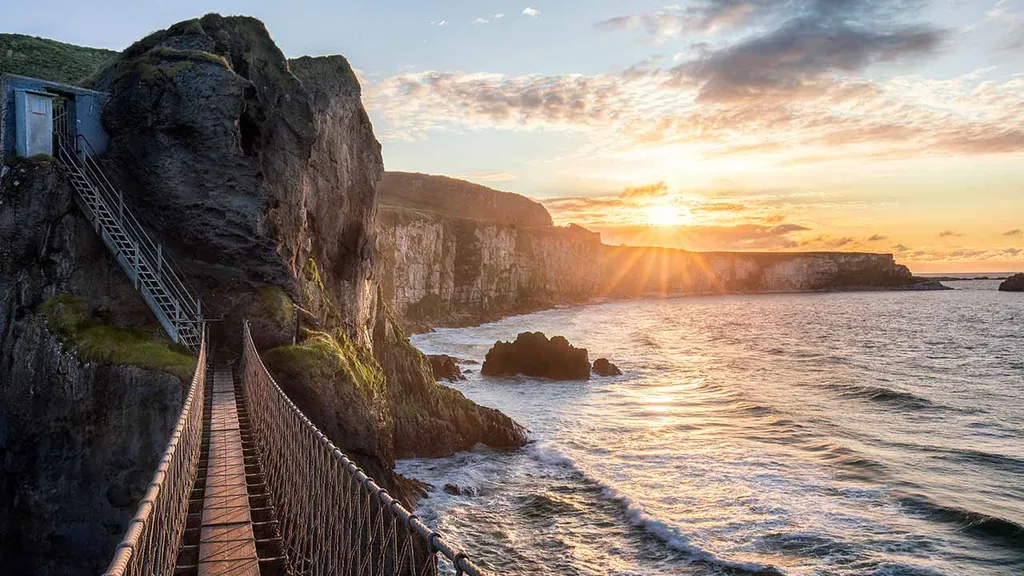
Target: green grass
(324, 358)
(277, 305)
(70, 318)
(49, 59)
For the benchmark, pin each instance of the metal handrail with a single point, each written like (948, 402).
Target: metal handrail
(151, 543)
(155, 258)
(333, 518)
(172, 297)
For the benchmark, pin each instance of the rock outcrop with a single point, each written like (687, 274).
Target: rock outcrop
(260, 174)
(532, 354)
(441, 264)
(602, 367)
(80, 434)
(1014, 283)
(444, 367)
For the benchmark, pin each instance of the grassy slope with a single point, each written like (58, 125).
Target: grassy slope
(49, 59)
(70, 318)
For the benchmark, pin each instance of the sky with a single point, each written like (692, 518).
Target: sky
(852, 125)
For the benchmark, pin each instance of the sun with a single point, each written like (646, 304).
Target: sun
(664, 215)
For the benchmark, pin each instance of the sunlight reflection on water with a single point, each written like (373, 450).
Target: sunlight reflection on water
(870, 433)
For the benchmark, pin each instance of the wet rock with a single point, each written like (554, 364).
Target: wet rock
(456, 490)
(602, 367)
(1014, 283)
(533, 354)
(444, 367)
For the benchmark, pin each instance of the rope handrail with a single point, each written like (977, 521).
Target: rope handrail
(150, 545)
(333, 518)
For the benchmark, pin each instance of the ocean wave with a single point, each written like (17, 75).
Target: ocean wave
(901, 569)
(638, 517)
(884, 395)
(677, 541)
(980, 524)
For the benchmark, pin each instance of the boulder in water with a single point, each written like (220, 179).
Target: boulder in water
(602, 367)
(445, 367)
(1014, 283)
(532, 354)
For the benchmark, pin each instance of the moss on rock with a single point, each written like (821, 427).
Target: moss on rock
(330, 359)
(70, 318)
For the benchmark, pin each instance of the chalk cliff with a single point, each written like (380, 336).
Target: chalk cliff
(441, 264)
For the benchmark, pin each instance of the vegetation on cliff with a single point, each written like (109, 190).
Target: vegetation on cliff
(94, 341)
(456, 198)
(49, 59)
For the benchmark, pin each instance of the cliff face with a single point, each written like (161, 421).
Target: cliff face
(260, 174)
(245, 171)
(439, 270)
(441, 265)
(79, 440)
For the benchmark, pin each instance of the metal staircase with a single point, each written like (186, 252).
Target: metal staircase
(161, 285)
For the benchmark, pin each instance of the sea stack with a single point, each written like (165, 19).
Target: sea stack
(532, 354)
(1014, 283)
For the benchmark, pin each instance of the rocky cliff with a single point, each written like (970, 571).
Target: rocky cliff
(438, 270)
(260, 174)
(81, 428)
(443, 265)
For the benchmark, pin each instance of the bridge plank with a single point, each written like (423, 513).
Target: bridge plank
(227, 546)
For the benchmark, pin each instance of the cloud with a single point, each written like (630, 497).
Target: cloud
(707, 17)
(730, 207)
(644, 108)
(964, 255)
(900, 248)
(738, 237)
(649, 191)
(877, 238)
(487, 19)
(949, 234)
(531, 12)
(796, 59)
(486, 176)
(438, 22)
(1015, 233)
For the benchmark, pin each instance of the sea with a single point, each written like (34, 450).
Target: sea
(861, 433)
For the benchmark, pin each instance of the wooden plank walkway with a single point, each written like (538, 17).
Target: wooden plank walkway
(227, 546)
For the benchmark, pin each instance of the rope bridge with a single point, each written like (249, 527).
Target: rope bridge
(330, 516)
(151, 544)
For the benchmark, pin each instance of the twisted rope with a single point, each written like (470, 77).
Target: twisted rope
(151, 543)
(332, 517)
